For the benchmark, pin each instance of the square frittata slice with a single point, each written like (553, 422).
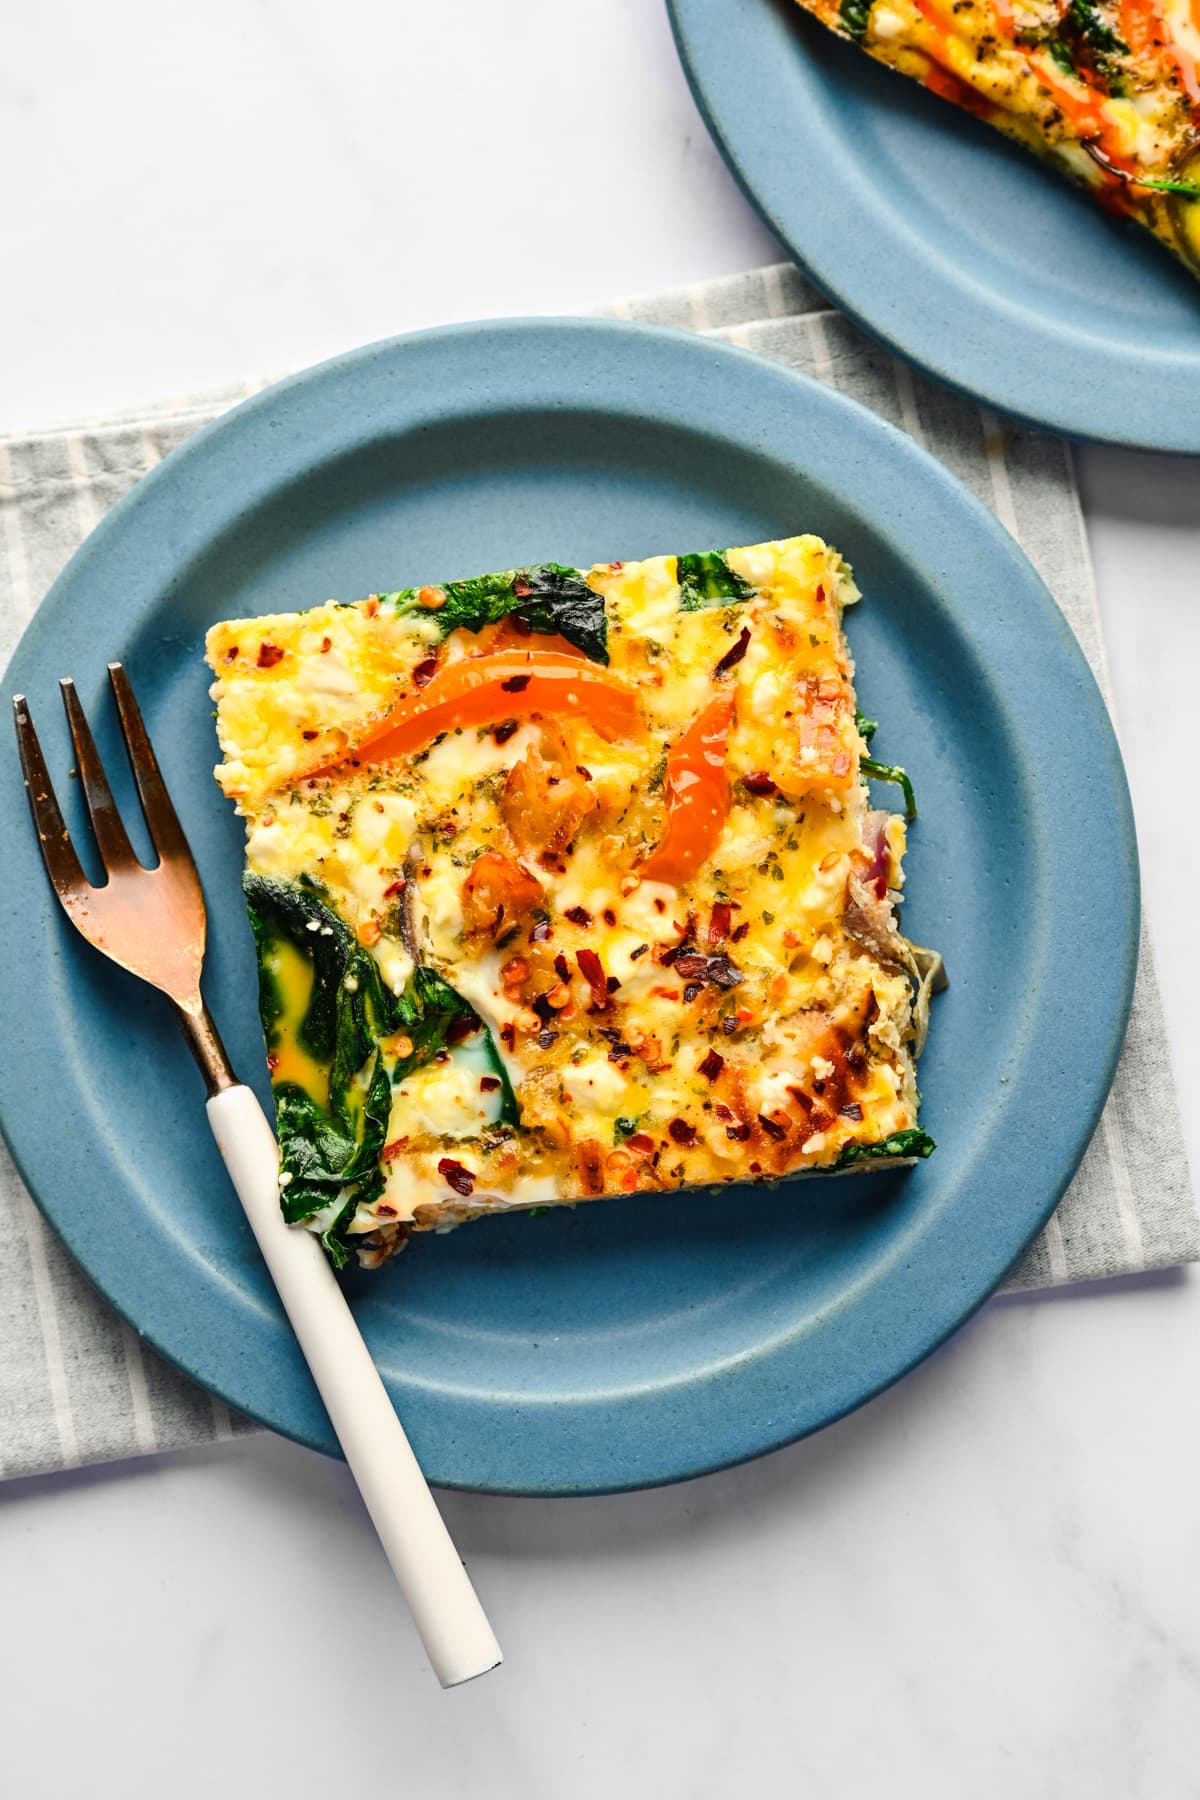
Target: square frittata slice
(568, 883)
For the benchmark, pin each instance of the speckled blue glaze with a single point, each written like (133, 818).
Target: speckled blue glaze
(941, 237)
(638, 1340)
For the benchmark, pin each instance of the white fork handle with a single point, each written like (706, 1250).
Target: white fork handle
(452, 1624)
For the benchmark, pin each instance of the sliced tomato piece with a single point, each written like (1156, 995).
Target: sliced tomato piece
(478, 690)
(697, 796)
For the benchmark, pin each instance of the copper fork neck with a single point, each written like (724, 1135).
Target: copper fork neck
(204, 1042)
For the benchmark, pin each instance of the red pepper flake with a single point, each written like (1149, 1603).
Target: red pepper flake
(692, 991)
(819, 596)
(232, 653)
(541, 932)
(384, 1211)
(719, 922)
(504, 730)
(712, 1065)
(371, 605)
(734, 654)
(660, 906)
(424, 672)
(580, 770)
(509, 1034)
(723, 973)
(516, 684)
(577, 915)
(397, 887)
(640, 1142)
(737, 1133)
(851, 1110)
(488, 1084)
(772, 1127)
(729, 1024)
(759, 782)
(592, 970)
(562, 967)
(723, 1112)
(610, 917)
(613, 984)
(640, 951)
(308, 736)
(392, 1150)
(272, 1061)
(691, 965)
(521, 587)
(739, 931)
(682, 1132)
(326, 646)
(269, 655)
(460, 1179)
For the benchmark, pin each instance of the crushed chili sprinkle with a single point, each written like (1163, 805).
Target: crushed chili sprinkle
(541, 933)
(504, 730)
(308, 736)
(397, 887)
(326, 645)
(758, 781)
(592, 970)
(735, 653)
(232, 653)
(772, 1127)
(739, 932)
(516, 684)
(682, 1132)
(737, 1133)
(719, 921)
(269, 655)
(460, 1179)
(711, 1067)
(562, 967)
(578, 915)
(640, 951)
(488, 1084)
(640, 1141)
(424, 672)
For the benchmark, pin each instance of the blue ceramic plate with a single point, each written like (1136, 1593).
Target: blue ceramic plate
(640, 1340)
(943, 239)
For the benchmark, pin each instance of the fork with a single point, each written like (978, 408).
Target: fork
(152, 923)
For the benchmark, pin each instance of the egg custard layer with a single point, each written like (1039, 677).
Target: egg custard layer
(568, 883)
(1106, 90)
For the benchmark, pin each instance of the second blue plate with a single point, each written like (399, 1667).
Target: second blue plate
(944, 239)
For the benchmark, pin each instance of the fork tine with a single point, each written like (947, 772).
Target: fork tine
(165, 829)
(58, 853)
(115, 847)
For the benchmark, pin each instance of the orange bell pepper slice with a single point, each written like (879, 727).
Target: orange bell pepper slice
(697, 796)
(507, 684)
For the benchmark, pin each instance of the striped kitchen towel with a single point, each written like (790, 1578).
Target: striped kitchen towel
(76, 1384)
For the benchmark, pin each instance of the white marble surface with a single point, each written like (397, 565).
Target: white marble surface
(984, 1585)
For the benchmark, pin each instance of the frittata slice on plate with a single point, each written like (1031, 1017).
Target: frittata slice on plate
(568, 883)
(1107, 90)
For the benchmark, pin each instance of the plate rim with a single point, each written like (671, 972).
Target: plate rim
(856, 418)
(1079, 411)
